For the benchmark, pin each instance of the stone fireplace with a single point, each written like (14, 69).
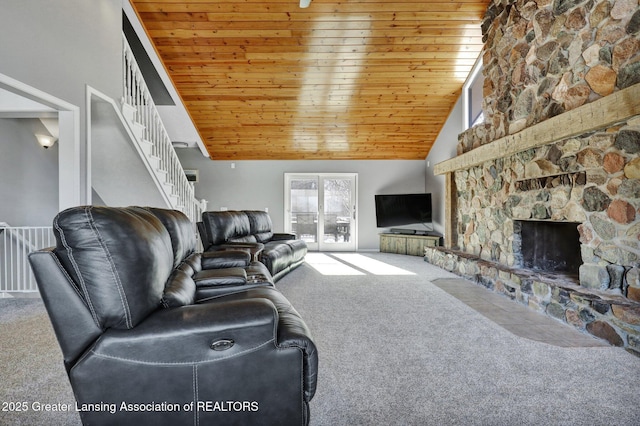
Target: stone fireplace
(559, 152)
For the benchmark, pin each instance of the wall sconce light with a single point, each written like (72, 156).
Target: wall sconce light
(304, 3)
(46, 141)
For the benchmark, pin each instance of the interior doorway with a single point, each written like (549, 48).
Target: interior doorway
(321, 209)
(19, 100)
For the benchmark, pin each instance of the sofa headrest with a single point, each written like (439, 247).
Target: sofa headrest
(260, 225)
(181, 231)
(120, 259)
(223, 226)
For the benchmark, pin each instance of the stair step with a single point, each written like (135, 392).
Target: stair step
(168, 188)
(138, 130)
(147, 147)
(129, 112)
(154, 162)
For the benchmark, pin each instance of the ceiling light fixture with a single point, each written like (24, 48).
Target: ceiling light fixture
(46, 141)
(305, 3)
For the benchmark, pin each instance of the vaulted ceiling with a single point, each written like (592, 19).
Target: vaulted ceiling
(337, 80)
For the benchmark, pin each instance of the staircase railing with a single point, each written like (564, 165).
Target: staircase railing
(137, 95)
(15, 245)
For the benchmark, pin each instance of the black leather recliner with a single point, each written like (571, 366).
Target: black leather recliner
(213, 273)
(139, 345)
(252, 230)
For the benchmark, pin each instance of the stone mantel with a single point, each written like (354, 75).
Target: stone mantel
(617, 107)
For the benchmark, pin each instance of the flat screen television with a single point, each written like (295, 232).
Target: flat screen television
(403, 209)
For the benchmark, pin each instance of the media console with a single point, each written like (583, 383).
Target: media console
(411, 244)
(407, 231)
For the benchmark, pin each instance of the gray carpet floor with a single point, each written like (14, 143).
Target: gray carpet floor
(397, 350)
(394, 350)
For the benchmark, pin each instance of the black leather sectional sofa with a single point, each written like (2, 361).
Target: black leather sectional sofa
(153, 333)
(252, 230)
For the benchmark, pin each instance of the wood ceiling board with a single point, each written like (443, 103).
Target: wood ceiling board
(338, 80)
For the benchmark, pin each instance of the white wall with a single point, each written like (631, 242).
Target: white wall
(29, 183)
(443, 148)
(59, 47)
(260, 184)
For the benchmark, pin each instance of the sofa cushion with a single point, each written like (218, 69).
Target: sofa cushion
(180, 290)
(260, 224)
(181, 231)
(249, 239)
(120, 259)
(225, 226)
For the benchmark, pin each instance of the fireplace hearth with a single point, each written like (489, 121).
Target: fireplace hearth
(550, 246)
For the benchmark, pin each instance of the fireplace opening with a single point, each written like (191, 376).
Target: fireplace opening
(550, 246)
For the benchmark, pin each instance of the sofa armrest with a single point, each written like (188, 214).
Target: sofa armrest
(293, 332)
(283, 236)
(74, 326)
(188, 334)
(225, 259)
(254, 249)
(218, 277)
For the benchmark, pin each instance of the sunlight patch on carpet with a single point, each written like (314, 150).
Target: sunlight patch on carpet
(327, 265)
(373, 266)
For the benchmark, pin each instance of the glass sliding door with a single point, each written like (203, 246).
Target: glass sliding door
(302, 211)
(321, 209)
(338, 213)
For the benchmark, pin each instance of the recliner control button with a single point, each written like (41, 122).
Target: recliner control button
(222, 345)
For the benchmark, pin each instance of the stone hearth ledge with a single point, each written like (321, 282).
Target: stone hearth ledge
(608, 316)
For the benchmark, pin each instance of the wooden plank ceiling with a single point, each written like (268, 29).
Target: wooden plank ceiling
(268, 80)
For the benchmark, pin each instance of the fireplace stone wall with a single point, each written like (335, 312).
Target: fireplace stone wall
(546, 57)
(564, 182)
(543, 59)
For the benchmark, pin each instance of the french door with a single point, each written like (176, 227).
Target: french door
(321, 209)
